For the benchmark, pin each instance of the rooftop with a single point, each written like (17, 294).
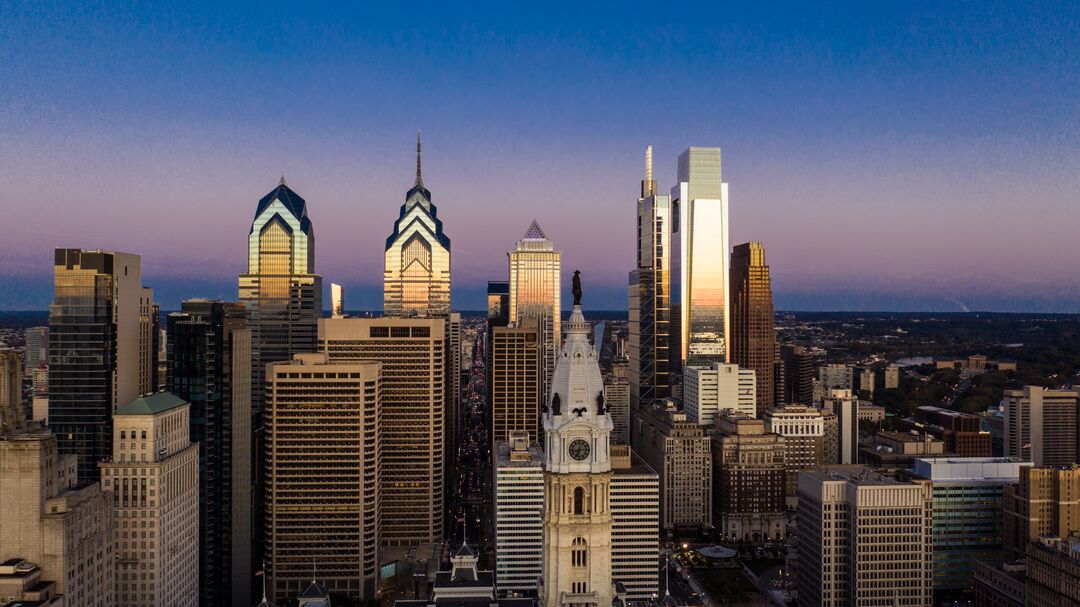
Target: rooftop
(859, 475)
(152, 404)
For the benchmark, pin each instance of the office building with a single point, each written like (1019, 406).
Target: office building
(835, 376)
(749, 478)
(519, 515)
(577, 565)
(845, 407)
(864, 539)
(798, 365)
(635, 524)
(416, 275)
(1041, 425)
(892, 377)
(617, 400)
(517, 359)
(209, 366)
(649, 345)
(862, 381)
(498, 298)
(718, 389)
(1045, 503)
(101, 349)
(753, 333)
(680, 452)
(535, 268)
(413, 390)
(337, 300)
(803, 429)
(281, 293)
(154, 480)
(37, 348)
(12, 410)
(1000, 584)
(322, 475)
(454, 415)
(54, 520)
(894, 452)
(699, 259)
(967, 494)
(962, 432)
(1053, 572)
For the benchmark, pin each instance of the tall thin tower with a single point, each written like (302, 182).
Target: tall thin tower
(753, 333)
(649, 347)
(416, 271)
(535, 268)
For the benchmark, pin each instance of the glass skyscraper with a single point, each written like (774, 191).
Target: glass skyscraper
(535, 268)
(699, 259)
(416, 271)
(753, 333)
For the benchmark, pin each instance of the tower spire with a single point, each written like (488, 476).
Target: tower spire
(419, 178)
(648, 185)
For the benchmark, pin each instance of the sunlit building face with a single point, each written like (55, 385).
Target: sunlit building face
(699, 241)
(535, 266)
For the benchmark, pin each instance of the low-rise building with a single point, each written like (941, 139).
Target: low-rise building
(961, 432)
(893, 452)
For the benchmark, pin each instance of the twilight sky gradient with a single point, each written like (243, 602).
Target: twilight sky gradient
(890, 157)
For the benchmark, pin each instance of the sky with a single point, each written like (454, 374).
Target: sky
(889, 156)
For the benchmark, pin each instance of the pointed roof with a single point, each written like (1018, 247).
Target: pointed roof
(151, 404)
(292, 201)
(534, 232)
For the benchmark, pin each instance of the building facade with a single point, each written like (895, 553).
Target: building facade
(1045, 503)
(635, 524)
(413, 390)
(102, 331)
(617, 400)
(37, 348)
(535, 268)
(517, 370)
(680, 452)
(209, 366)
(1053, 574)
(845, 407)
(154, 480)
(416, 271)
(700, 260)
(803, 429)
(864, 539)
(798, 365)
(519, 515)
(749, 480)
(55, 521)
(1041, 425)
(717, 389)
(753, 333)
(962, 432)
(13, 415)
(322, 475)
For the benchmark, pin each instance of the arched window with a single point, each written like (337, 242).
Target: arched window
(579, 500)
(578, 553)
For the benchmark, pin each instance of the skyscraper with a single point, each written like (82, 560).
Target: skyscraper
(154, 479)
(798, 366)
(281, 293)
(12, 410)
(709, 391)
(337, 300)
(416, 274)
(845, 407)
(37, 347)
(1041, 425)
(209, 365)
(753, 334)
(749, 478)
(803, 429)
(101, 349)
(1046, 502)
(322, 475)
(517, 359)
(519, 514)
(649, 340)
(534, 293)
(700, 259)
(412, 400)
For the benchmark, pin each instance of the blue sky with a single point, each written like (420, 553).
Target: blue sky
(890, 156)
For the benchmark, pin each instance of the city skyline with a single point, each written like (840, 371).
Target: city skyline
(900, 136)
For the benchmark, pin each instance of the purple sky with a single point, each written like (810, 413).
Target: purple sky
(905, 158)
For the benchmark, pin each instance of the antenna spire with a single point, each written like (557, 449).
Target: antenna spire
(264, 580)
(419, 178)
(282, 180)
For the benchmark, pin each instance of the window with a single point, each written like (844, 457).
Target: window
(579, 500)
(578, 553)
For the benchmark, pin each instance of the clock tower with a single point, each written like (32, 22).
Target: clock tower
(577, 477)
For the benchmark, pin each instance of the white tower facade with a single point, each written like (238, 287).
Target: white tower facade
(577, 479)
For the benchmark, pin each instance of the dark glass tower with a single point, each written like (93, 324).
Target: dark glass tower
(209, 365)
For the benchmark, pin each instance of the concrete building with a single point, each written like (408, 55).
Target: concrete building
(1053, 572)
(868, 412)
(967, 495)
(753, 334)
(517, 371)
(681, 454)
(519, 515)
(862, 380)
(717, 389)
(653, 364)
(803, 429)
(37, 348)
(22, 584)
(962, 432)
(323, 431)
(416, 269)
(837, 376)
(1045, 503)
(635, 524)
(893, 452)
(864, 539)
(617, 400)
(102, 330)
(53, 520)
(892, 377)
(749, 480)
(12, 409)
(412, 384)
(154, 480)
(209, 365)
(1001, 584)
(845, 407)
(1041, 425)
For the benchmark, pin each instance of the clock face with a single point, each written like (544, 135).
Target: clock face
(579, 449)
